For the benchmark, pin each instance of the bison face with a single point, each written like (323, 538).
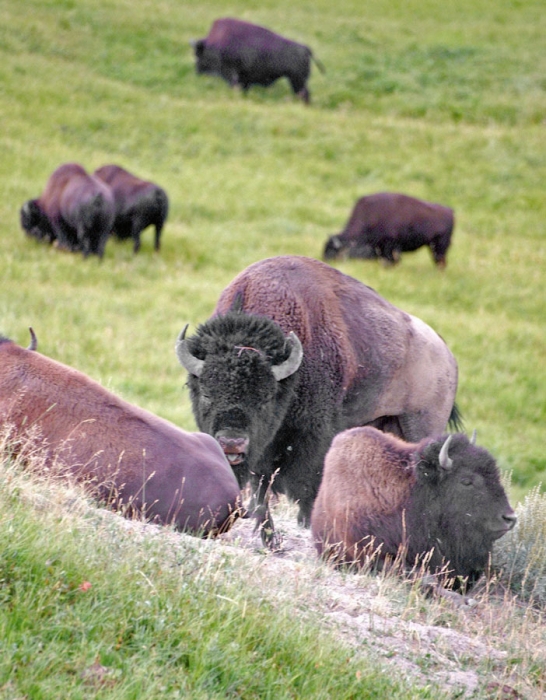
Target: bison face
(34, 222)
(333, 248)
(466, 500)
(207, 60)
(239, 392)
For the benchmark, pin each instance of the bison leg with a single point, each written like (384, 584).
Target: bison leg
(258, 508)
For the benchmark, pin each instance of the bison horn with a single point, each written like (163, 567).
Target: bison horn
(445, 460)
(473, 438)
(193, 364)
(289, 366)
(33, 340)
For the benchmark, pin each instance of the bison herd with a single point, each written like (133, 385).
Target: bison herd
(78, 211)
(303, 381)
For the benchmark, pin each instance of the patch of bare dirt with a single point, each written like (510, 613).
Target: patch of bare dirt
(377, 616)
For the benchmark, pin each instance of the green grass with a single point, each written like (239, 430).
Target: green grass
(90, 608)
(444, 101)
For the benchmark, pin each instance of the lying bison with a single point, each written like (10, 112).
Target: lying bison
(385, 224)
(134, 459)
(295, 352)
(246, 54)
(440, 500)
(138, 204)
(76, 209)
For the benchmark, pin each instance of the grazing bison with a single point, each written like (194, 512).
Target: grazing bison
(440, 500)
(295, 352)
(246, 54)
(76, 209)
(385, 224)
(138, 203)
(134, 459)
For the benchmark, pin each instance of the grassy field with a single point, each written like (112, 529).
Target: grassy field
(444, 101)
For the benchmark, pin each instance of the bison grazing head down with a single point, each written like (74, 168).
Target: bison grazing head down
(440, 502)
(246, 54)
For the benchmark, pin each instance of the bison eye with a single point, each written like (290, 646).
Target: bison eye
(466, 481)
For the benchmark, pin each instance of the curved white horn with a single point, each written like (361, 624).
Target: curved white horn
(289, 366)
(193, 364)
(445, 460)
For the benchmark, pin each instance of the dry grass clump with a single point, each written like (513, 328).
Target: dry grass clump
(520, 556)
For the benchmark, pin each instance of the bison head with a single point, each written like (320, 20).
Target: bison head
(333, 248)
(34, 222)
(463, 502)
(241, 379)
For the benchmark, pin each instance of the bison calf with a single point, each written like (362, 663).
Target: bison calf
(439, 502)
(385, 224)
(134, 459)
(76, 209)
(246, 54)
(138, 204)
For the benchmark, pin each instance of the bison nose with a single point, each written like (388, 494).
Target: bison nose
(510, 519)
(234, 445)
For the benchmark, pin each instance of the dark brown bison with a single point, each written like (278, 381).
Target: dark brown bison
(133, 459)
(76, 209)
(246, 54)
(385, 224)
(139, 204)
(295, 352)
(440, 500)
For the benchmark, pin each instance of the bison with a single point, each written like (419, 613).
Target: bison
(385, 224)
(76, 209)
(133, 459)
(296, 352)
(437, 503)
(246, 54)
(138, 204)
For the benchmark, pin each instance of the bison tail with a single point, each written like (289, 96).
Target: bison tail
(318, 64)
(455, 421)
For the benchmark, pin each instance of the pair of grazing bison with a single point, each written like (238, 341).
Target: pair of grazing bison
(79, 210)
(303, 382)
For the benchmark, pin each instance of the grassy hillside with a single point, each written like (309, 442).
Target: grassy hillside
(441, 102)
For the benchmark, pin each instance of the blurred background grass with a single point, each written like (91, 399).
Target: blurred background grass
(444, 101)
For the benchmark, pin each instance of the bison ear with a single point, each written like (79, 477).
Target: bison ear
(289, 366)
(193, 364)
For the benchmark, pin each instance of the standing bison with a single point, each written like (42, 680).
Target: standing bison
(385, 224)
(295, 352)
(76, 209)
(439, 503)
(134, 459)
(246, 54)
(138, 204)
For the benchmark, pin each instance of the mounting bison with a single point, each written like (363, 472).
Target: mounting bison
(438, 503)
(76, 209)
(138, 203)
(131, 458)
(385, 224)
(295, 352)
(246, 54)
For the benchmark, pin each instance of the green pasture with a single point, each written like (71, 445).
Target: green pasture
(444, 101)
